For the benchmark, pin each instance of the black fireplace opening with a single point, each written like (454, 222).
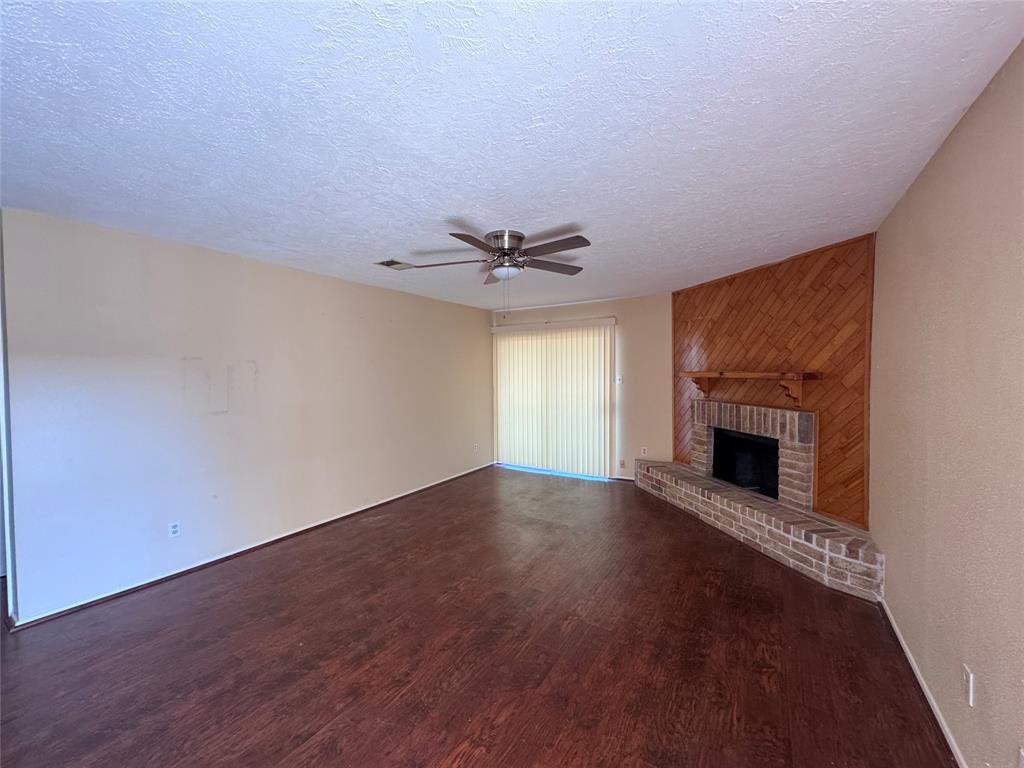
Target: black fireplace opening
(749, 461)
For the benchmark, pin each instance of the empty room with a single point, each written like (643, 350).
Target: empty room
(470, 383)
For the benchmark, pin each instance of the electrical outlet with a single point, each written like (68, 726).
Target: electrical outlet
(173, 530)
(622, 463)
(968, 686)
(643, 451)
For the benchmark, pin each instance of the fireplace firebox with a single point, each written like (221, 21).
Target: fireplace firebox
(749, 461)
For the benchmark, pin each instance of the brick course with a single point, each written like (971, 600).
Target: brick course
(839, 557)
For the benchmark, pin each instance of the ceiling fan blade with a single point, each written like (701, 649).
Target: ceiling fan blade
(436, 251)
(449, 263)
(553, 266)
(465, 225)
(555, 246)
(490, 279)
(547, 234)
(470, 240)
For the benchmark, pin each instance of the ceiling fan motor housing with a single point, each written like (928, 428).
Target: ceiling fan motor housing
(505, 239)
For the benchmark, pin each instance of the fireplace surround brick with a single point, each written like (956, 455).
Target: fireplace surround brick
(795, 431)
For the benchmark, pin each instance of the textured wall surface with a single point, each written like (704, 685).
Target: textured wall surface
(692, 140)
(947, 420)
(810, 313)
(153, 382)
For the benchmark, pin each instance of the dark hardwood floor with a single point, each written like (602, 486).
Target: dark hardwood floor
(501, 619)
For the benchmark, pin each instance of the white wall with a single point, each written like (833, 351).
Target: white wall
(947, 420)
(154, 382)
(643, 357)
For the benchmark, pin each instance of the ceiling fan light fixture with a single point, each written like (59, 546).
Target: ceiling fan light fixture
(506, 271)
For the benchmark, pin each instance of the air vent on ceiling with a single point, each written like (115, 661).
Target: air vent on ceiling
(392, 264)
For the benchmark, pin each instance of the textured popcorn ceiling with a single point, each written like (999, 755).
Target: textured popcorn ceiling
(690, 141)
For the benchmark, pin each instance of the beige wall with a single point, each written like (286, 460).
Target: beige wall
(643, 357)
(154, 382)
(947, 420)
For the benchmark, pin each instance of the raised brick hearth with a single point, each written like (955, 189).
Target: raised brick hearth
(838, 556)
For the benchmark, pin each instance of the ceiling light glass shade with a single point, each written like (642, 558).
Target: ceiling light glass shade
(505, 272)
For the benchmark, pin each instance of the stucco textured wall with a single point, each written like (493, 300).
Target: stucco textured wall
(947, 419)
(154, 382)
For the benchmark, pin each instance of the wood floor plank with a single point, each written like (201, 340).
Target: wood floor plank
(500, 619)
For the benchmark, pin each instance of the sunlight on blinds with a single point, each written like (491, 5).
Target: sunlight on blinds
(553, 397)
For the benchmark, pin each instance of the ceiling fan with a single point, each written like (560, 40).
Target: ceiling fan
(506, 256)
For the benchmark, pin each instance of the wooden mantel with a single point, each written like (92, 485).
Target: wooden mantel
(790, 381)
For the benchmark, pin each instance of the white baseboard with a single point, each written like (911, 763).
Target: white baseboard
(960, 759)
(131, 587)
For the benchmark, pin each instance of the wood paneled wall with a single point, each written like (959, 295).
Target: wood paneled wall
(811, 312)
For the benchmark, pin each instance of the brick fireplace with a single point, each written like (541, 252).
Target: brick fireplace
(785, 529)
(795, 431)
(808, 314)
(792, 339)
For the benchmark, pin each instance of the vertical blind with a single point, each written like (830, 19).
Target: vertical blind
(553, 391)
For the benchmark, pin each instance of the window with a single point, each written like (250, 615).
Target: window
(553, 396)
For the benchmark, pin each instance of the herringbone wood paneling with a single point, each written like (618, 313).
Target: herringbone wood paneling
(808, 313)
